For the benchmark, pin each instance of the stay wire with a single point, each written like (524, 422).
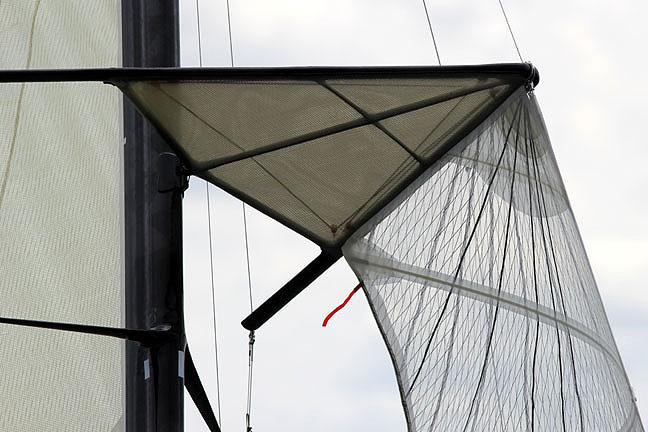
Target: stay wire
(211, 246)
(508, 24)
(229, 34)
(247, 257)
(248, 413)
(427, 16)
(200, 58)
(213, 299)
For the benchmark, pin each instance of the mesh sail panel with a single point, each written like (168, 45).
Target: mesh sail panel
(319, 155)
(60, 219)
(480, 284)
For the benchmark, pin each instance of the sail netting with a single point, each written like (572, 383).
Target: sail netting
(60, 219)
(479, 282)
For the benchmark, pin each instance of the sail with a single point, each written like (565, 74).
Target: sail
(477, 277)
(319, 149)
(60, 219)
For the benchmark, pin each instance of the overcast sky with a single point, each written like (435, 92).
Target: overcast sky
(592, 67)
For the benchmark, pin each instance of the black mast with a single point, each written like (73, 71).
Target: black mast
(153, 232)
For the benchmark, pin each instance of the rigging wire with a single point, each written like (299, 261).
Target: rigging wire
(251, 335)
(248, 426)
(508, 24)
(427, 15)
(229, 34)
(213, 300)
(211, 246)
(247, 259)
(200, 57)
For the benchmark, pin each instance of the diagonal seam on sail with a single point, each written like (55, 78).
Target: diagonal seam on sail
(362, 254)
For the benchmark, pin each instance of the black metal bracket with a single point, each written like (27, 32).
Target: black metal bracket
(171, 174)
(291, 289)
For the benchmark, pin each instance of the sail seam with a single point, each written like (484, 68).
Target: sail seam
(263, 167)
(482, 293)
(488, 164)
(12, 147)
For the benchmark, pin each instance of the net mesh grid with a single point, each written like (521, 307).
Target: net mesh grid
(478, 279)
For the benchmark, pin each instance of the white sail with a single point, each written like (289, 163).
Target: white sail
(480, 284)
(60, 219)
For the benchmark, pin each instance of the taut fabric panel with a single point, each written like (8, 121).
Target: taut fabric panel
(319, 155)
(60, 219)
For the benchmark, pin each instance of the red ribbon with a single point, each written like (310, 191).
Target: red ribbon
(344, 303)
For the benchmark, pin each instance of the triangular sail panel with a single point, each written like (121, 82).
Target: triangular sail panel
(479, 282)
(320, 149)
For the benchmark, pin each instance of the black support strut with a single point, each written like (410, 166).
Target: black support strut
(291, 289)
